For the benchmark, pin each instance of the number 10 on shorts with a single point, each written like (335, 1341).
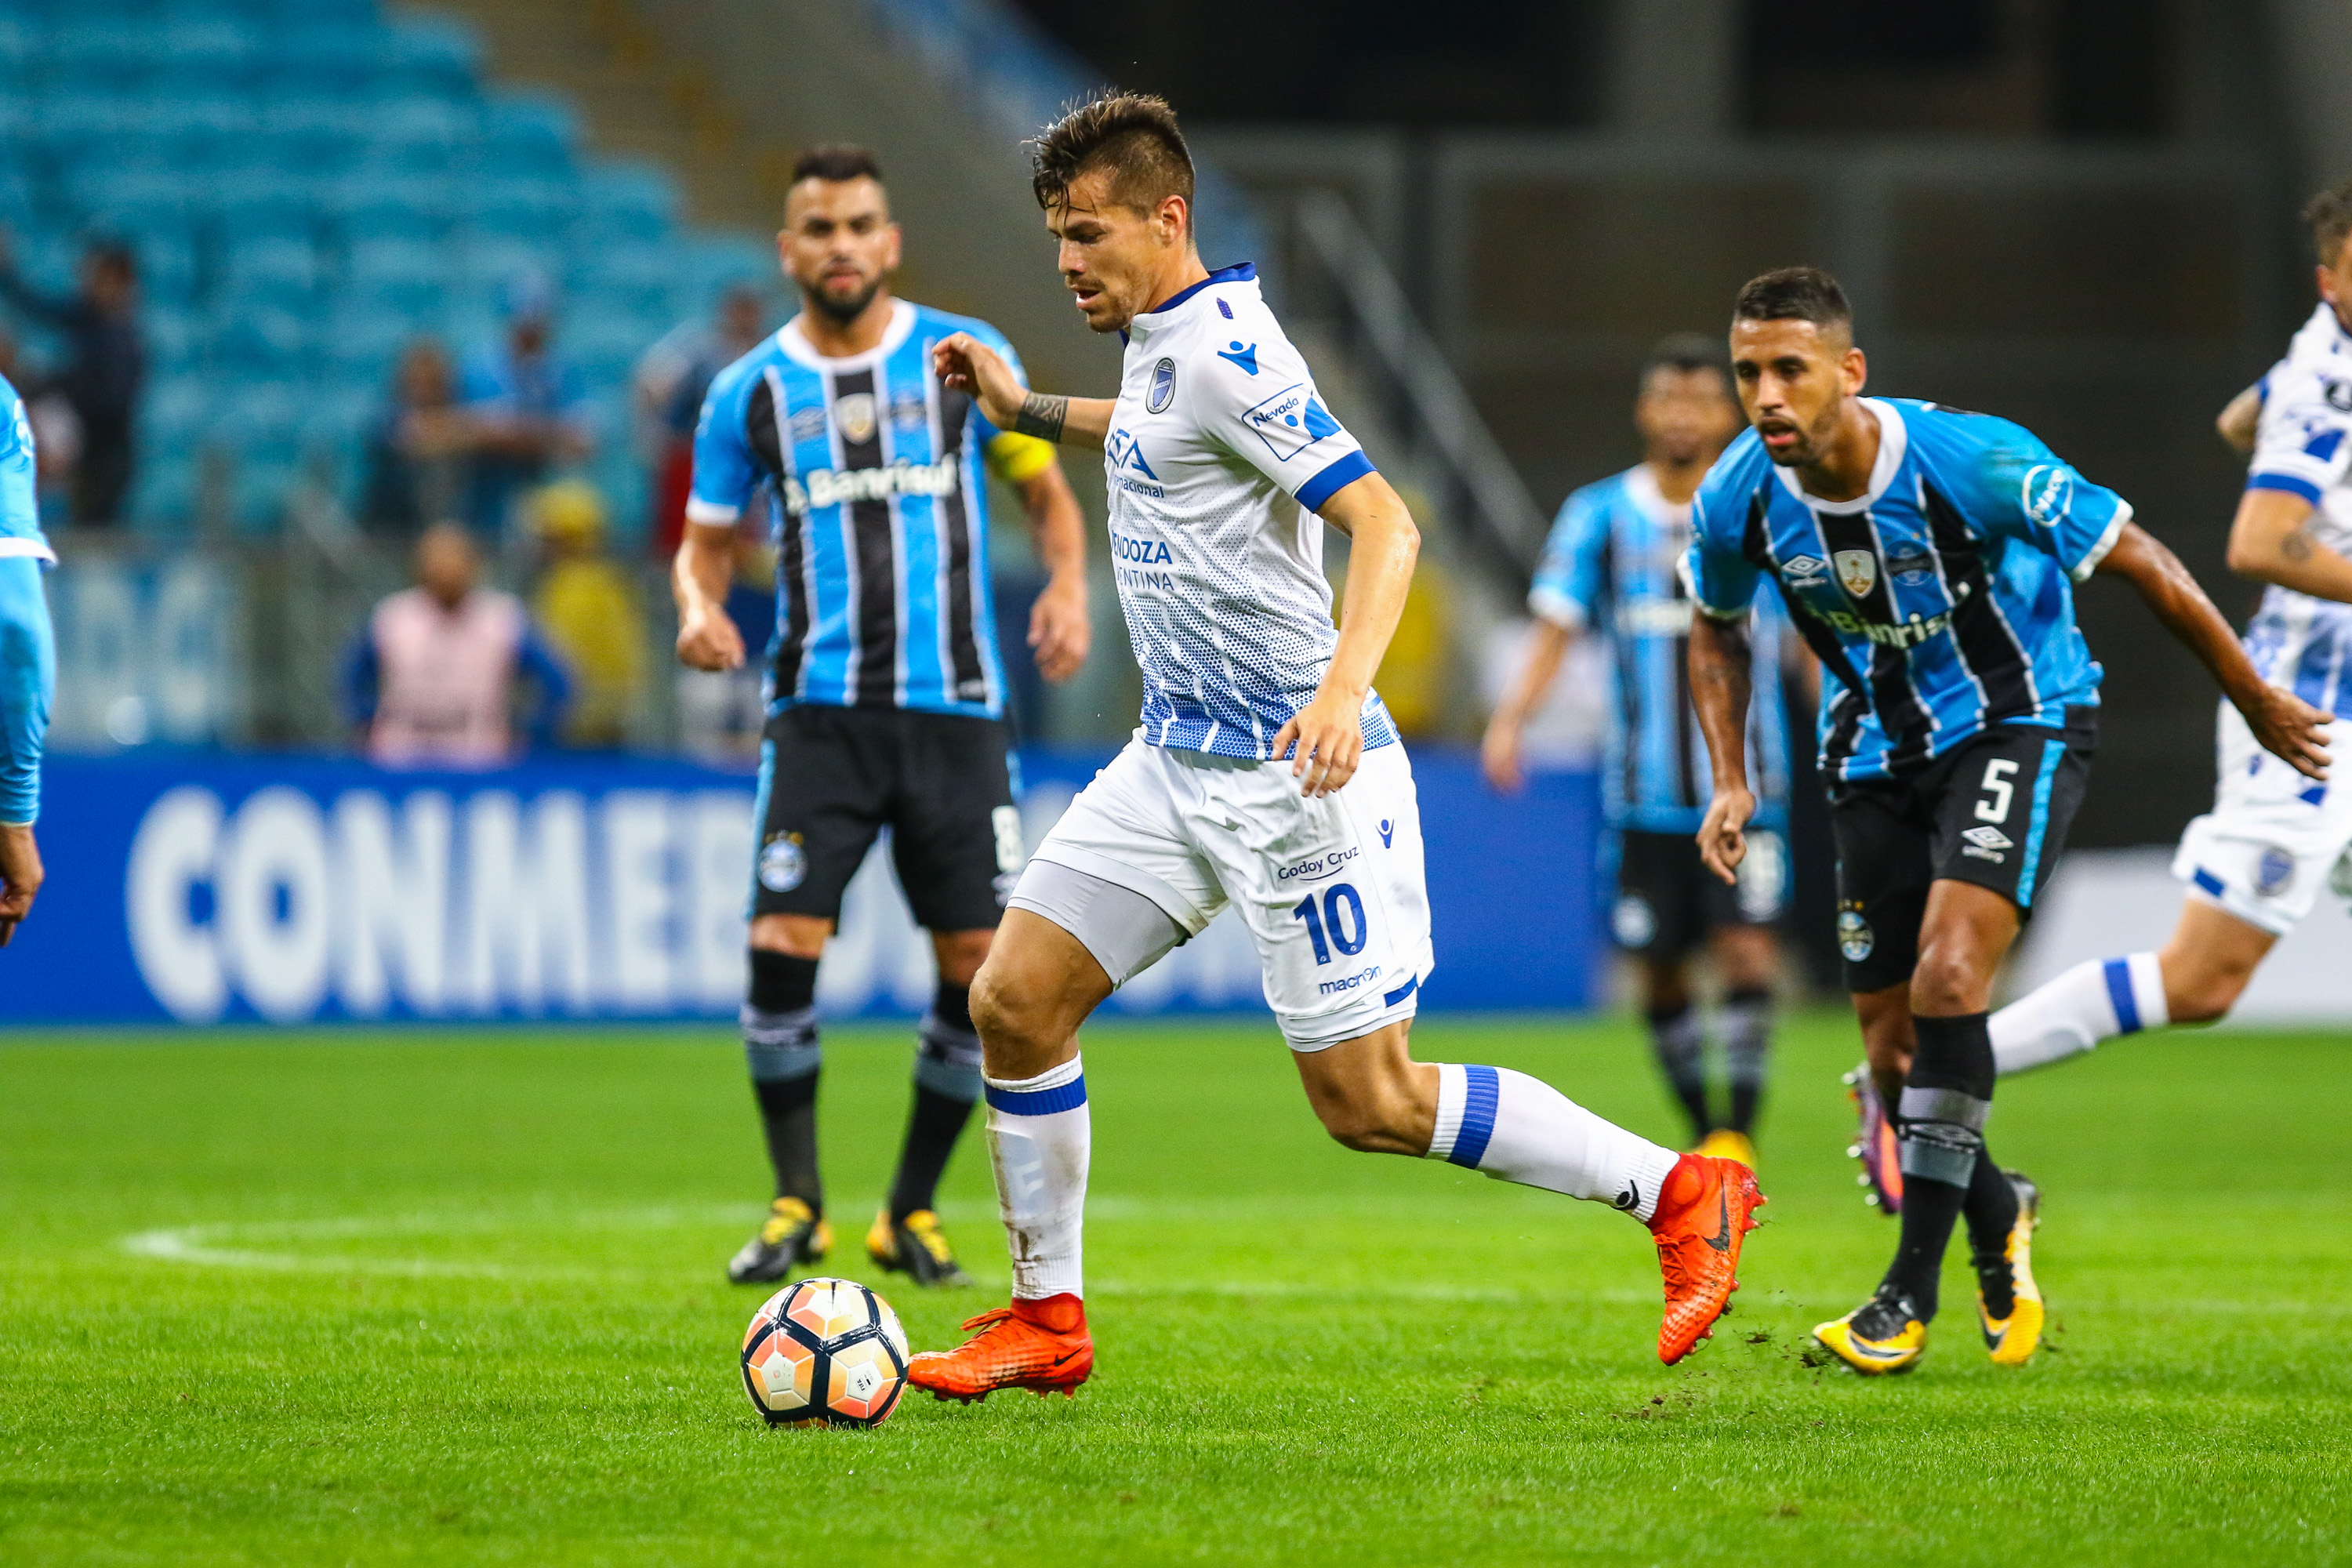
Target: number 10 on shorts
(1339, 922)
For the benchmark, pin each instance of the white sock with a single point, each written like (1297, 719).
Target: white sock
(1039, 1135)
(2090, 1003)
(1519, 1128)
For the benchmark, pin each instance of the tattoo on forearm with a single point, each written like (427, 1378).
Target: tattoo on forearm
(2296, 546)
(1042, 417)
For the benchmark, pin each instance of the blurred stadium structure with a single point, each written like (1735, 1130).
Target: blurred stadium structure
(2077, 212)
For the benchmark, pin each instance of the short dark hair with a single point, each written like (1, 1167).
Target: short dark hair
(834, 162)
(1132, 134)
(1794, 294)
(1686, 353)
(2329, 217)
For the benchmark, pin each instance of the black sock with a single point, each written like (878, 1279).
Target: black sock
(781, 1045)
(1991, 1211)
(946, 1083)
(1747, 1045)
(1946, 1099)
(1681, 1048)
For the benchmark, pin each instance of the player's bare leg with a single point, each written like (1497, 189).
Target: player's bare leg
(1038, 986)
(1372, 1095)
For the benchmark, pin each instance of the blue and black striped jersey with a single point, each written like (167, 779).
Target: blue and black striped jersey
(1940, 600)
(874, 472)
(1611, 564)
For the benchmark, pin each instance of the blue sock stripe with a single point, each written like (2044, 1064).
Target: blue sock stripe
(1483, 1089)
(2052, 750)
(2119, 992)
(1038, 1101)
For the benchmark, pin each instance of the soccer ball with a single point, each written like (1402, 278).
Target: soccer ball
(825, 1352)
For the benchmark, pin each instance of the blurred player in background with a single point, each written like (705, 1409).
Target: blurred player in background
(886, 700)
(1265, 774)
(1928, 556)
(1612, 564)
(29, 664)
(2255, 864)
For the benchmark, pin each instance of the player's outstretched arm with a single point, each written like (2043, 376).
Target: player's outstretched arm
(2269, 539)
(968, 365)
(707, 638)
(1721, 678)
(1061, 629)
(2288, 728)
(1326, 738)
(1499, 752)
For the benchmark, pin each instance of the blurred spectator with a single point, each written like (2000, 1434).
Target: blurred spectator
(105, 364)
(528, 410)
(723, 712)
(589, 607)
(431, 680)
(56, 431)
(671, 378)
(417, 447)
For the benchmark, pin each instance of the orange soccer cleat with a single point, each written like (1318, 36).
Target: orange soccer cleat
(1039, 1345)
(1703, 1214)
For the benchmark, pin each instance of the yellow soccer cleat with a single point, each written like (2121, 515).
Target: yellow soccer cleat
(1881, 1336)
(1723, 1144)
(791, 1234)
(2013, 1339)
(916, 1246)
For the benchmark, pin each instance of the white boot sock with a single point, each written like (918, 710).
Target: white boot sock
(1519, 1128)
(2091, 1002)
(1039, 1135)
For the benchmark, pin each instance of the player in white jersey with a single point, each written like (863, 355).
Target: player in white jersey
(1266, 775)
(2253, 865)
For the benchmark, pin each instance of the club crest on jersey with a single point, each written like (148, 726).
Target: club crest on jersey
(1164, 386)
(1913, 569)
(2048, 491)
(1857, 572)
(909, 411)
(854, 416)
(1291, 421)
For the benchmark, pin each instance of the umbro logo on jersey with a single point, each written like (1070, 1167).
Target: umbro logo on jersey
(1805, 571)
(830, 486)
(807, 424)
(1987, 843)
(1234, 353)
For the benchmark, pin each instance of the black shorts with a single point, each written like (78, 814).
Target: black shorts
(1668, 902)
(1993, 811)
(832, 778)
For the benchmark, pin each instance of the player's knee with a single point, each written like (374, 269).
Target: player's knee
(1950, 980)
(1369, 1128)
(2203, 996)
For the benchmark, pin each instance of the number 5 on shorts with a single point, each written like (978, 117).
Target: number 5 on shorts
(1341, 916)
(1998, 790)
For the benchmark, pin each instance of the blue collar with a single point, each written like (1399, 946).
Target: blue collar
(1240, 272)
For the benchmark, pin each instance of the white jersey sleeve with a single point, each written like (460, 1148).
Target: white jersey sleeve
(2304, 443)
(1256, 399)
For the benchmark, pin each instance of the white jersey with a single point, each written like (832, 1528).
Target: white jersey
(2304, 447)
(1218, 455)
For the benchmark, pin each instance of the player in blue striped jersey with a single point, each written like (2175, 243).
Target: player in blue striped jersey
(1612, 566)
(1930, 557)
(886, 692)
(28, 663)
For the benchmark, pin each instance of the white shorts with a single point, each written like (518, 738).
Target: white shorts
(1330, 889)
(2274, 838)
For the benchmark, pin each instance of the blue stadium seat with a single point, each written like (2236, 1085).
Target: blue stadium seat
(415, 300)
(163, 496)
(399, 207)
(252, 339)
(359, 343)
(93, 55)
(278, 266)
(323, 60)
(528, 137)
(431, 56)
(623, 204)
(320, 137)
(638, 280)
(176, 411)
(254, 201)
(486, 262)
(203, 58)
(539, 211)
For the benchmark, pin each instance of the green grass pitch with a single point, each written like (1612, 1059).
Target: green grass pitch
(455, 1297)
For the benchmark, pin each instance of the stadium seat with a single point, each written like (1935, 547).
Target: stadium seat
(535, 211)
(174, 413)
(202, 57)
(255, 338)
(399, 207)
(360, 342)
(488, 262)
(622, 205)
(313, 59)
(527, 137)
(430, 56)
(93, 55)
(257, 201)
(320, 137)
(272, 264)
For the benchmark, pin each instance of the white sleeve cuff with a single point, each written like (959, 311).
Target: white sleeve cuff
(710, 514)
(1549, 604)
(2098, 551)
